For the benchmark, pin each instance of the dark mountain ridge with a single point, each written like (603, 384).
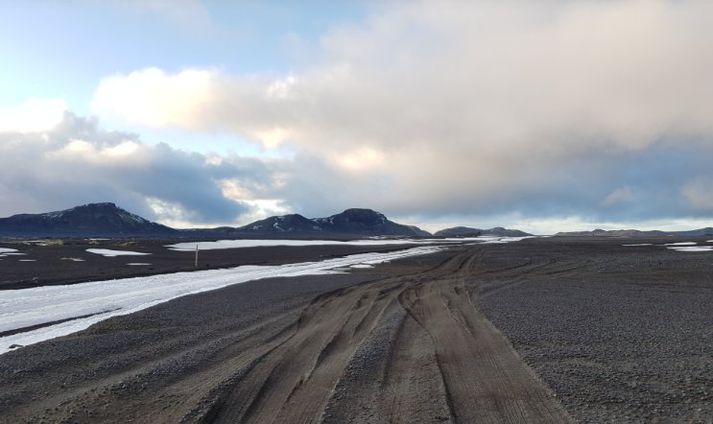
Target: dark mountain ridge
(109, 220)
(365, 222)
(94, 219)
(474, 232)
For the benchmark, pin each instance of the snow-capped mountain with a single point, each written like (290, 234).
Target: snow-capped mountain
(351, 221)
(94, 219)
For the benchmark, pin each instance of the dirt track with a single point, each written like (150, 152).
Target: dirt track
(411, 347)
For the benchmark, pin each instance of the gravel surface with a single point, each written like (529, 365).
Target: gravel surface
(621, 335)
(544, 330)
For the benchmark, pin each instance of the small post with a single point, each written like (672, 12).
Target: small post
(195, 263)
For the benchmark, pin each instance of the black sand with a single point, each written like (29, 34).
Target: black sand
(614, 334)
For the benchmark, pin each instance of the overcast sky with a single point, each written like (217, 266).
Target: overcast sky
(548, 115)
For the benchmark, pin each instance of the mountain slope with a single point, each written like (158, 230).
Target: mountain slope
(368, 222)
(364, 222)
(474, 232)
(94, 219)
(283, 223)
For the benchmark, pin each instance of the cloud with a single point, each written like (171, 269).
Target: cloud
(154, 98)
(698, 194)
(619, 195)
(33, 115)
(430, 107)
(76, 162)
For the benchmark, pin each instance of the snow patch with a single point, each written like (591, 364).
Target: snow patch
(637, 244)
(7, 250)
(691, 248)
(244, 243)
(105, 299)
(682, 243)
(138, 264)
(110, 253)
(362, 266)
(3, 255)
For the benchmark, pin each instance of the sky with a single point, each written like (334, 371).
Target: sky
(545, 116)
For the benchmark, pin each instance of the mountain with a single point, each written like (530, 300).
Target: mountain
(109, 220)
(474, 232)
(701, 232)
(94, 219)
(284, 223)
(364, 222)
(367, 222)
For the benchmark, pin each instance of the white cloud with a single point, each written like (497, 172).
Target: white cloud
(33, 115)
(123, 153)
(76, 162)
(619, 195)
(359, 159)
(446, 105)
(153, 98)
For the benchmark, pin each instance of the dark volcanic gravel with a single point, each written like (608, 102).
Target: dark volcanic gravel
(621, 334)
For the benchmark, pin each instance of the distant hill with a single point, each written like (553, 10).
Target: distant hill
(365, 222)
(94, 219)
(474, 232)
(109, 220)
(702, 232)
(281, 224)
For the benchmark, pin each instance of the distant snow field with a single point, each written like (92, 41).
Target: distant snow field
(682, 243)
(235, 244)
(637, 244)
(138, 264)
(691, 248)
(99, 300)
(6, 251)
(110, 253)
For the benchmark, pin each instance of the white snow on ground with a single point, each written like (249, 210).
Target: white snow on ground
(6, 251)
(73, 259)
(105, 299)
(27, 260)
(691, 248)
(362, 266)
(682, 243)
(110, 253)
(138, 264)
(637, 244)
(233, 244)
(499, 240)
